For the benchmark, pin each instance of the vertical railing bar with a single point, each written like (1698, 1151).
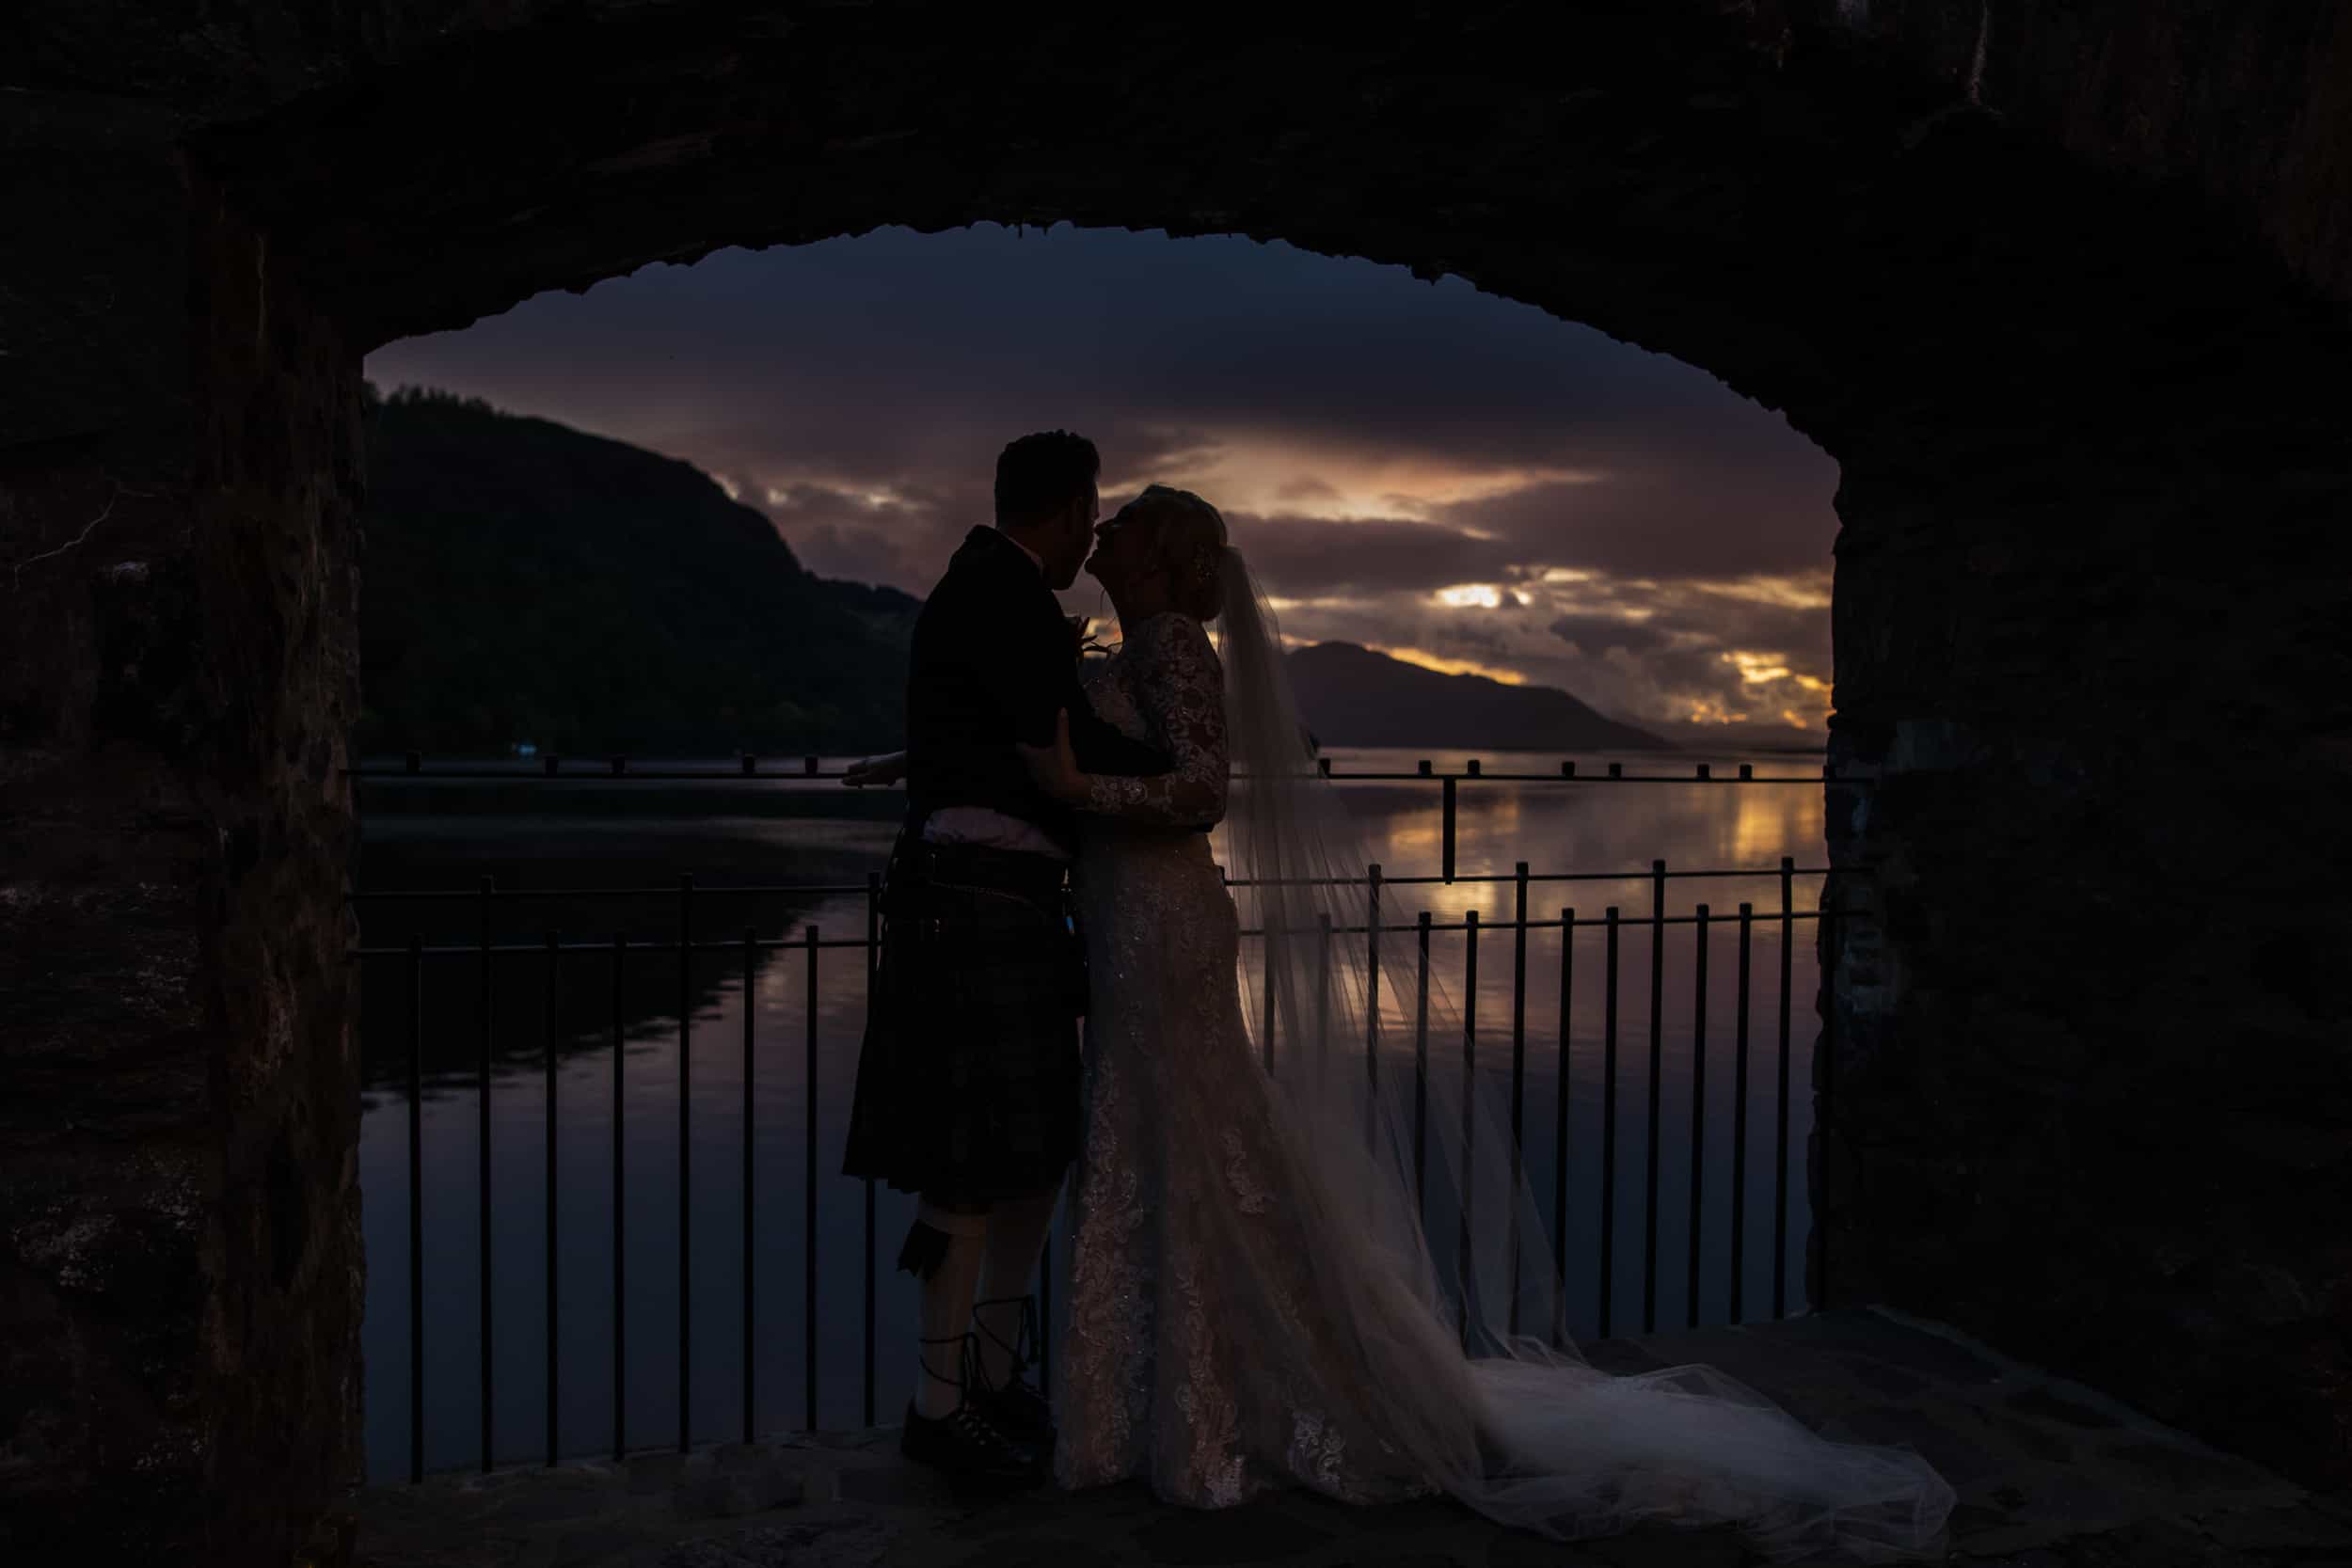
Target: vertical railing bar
(1518, 1076)
(482, 1103)
(1421, 1073)
(1823, 1108)
(873, 961)
(1323, 989)
(1608, 1124)
(751, 1008)
(554, 1028)
(1448, 847)
(416, 1208)
(1698, 1109)
(1740, 1122)
(1560, 1124)
(1780, 1164)
(1657, 1056)
(1463, 1261)
(620, 1222)
(1265, 1009)
(1372, 1002)
(685, 1161)
(808, 1214)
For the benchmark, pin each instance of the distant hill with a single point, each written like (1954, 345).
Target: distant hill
(524, 581)
(1351, 696)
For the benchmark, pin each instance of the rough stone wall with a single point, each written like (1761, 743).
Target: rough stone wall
(2092, 587)
(2090, 1092)
(2250, 102)
(180, 1268)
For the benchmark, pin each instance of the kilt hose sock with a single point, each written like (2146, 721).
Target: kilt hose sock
(944, 1250)
(1016, 1235)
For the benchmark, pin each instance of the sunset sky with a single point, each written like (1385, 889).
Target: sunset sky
(1455, 478)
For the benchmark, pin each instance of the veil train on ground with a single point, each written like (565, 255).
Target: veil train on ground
(1445, 1251)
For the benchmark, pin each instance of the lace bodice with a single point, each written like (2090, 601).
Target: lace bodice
(1166, 687)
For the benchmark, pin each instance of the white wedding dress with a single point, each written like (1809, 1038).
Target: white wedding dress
(1254, 1300)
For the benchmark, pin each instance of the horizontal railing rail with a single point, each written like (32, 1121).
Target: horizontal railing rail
(751, 945)
(747, 766)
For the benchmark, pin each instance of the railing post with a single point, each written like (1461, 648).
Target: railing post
(1657, 1056)
(1698, 1106)
(416, 1207)
(1519, 1072)
(555, 998)
(685, 1163)
(1464, 1262)
(873, 962)
(1740, 1122)
(1824, 1109)
(620, 1212)
(1560, 1125)
(751, 1009)
(1780, 1163)
(1447, 849)
(1323, 990)
(1265, 980)
(1372, 1002)
(482, 1103)
(808, 1214)
(1608, 1123)
(1421, 1070)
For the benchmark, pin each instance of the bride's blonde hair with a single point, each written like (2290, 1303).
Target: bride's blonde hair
(1188, 536)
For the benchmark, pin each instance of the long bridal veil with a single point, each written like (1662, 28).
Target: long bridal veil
(1432, 1237)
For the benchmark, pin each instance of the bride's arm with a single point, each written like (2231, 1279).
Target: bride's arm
(1184, 695)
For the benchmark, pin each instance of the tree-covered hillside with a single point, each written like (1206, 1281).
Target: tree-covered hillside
(525, 582)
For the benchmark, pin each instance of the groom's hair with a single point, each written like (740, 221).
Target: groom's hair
(1038, 473)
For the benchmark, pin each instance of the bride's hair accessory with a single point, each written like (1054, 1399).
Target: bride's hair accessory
(1190, 537)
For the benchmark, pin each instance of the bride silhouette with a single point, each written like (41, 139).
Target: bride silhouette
(1256, 1299)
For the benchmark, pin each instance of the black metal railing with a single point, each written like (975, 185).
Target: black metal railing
(810, 943)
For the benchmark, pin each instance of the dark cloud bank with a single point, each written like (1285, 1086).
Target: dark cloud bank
(1416, 467)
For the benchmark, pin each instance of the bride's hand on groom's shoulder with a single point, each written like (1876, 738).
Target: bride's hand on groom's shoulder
(1054, 768)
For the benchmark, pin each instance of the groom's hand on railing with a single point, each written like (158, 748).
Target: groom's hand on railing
(888, 768)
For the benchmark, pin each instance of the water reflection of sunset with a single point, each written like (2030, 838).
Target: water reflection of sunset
(1589, 826)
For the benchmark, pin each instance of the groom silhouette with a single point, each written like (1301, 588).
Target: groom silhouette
(968, 1078)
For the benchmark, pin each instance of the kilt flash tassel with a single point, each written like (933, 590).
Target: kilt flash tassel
(924, 1250)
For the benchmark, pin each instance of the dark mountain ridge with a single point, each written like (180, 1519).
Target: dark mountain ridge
(1352, 696)
(526, 582)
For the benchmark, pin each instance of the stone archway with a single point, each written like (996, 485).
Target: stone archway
(2063, 292)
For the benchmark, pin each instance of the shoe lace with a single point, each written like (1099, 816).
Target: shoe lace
(965, 1419)
(1022, 1353)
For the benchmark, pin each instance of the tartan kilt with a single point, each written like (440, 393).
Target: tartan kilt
(968, 1078)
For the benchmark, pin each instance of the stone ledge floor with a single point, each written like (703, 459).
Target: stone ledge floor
(2050, 1475)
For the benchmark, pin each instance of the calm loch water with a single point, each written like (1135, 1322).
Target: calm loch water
(562, 856)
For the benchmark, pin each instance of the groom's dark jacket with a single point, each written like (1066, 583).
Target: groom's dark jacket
(993, 662)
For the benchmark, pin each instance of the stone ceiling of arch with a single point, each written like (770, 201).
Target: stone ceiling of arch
(1798, 194)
